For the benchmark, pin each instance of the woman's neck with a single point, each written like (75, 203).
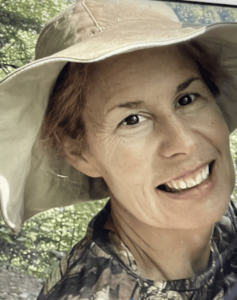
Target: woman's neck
(164, 254)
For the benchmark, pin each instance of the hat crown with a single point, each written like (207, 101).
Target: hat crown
(89, 17)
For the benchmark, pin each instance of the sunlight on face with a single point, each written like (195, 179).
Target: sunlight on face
(158, 139)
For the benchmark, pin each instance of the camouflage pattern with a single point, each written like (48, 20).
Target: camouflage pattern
(101, 267)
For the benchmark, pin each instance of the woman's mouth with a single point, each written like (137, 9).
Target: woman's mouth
(187, 182)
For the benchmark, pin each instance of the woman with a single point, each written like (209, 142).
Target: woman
(142, 112)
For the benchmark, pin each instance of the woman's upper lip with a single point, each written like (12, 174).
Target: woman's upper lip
(187, 173)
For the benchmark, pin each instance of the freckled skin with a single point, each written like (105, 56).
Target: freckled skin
(169, 139)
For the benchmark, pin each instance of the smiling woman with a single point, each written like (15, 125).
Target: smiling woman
(181, 139)
(143, 117)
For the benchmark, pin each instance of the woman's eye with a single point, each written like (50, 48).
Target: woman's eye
(185, 100)
(133, 120)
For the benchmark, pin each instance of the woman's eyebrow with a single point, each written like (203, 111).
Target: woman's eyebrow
(131, 104)
(186, 83)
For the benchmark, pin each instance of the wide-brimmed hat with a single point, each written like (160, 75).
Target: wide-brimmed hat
(89, 31)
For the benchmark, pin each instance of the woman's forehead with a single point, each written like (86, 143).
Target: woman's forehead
(119, 72)
(135, 58)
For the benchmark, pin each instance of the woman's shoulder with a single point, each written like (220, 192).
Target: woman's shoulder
(90, 271)
(225, 238)
(225, 231)
(71, 264)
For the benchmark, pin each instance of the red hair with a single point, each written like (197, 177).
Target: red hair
(63, 116)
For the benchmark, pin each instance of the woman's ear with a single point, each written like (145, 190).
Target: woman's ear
(82, 161)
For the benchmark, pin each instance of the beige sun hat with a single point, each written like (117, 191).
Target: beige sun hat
(89, 31)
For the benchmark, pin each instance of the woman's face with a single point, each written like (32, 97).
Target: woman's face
(157, 137)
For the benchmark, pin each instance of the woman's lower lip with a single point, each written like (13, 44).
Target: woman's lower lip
(196, 192)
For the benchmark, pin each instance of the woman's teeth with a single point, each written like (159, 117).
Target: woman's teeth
(188, 182)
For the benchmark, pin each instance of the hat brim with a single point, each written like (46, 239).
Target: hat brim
(29, 183)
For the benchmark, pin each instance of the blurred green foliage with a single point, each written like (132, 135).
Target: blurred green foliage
(20, 24)
(59, 229)
(203, 14)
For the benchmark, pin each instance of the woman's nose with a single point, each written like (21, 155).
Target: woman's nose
(176, 137)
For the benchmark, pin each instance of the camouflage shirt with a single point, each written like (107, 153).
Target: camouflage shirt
(101, 267)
